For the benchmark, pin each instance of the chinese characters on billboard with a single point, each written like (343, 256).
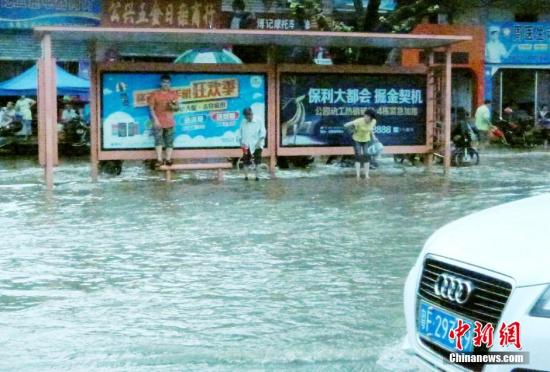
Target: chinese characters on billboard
(209, 108)
(314, 108)
(278, 22)
(161, 13)
(262, 21)
(518, 43)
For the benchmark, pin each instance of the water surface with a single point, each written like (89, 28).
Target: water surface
(304, 272)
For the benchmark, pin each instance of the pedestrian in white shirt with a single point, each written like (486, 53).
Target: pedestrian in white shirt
(23, 107)
(252, 138)
(68, 114)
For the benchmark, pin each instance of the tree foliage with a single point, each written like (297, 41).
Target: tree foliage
(407, 14)
(403, 19)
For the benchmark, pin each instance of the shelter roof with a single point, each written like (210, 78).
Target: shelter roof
(250, 37)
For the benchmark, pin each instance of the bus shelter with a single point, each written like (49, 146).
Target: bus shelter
(299, 103)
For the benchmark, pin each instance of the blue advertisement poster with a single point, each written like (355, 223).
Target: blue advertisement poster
(385, 5)
(208, 111)
(517, 43)
(314, 108)
(32, 13)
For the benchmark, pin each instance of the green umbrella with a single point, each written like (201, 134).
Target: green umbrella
(208, 55)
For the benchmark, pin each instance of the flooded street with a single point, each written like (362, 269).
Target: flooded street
(304, 272)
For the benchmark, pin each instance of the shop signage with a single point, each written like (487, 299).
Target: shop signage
(277, 22)
(265, 21)
(208, 115)
(161, 13)
(517, 43)
(30, 13)
(314, 108)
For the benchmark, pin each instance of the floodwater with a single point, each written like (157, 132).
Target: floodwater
(304, 272)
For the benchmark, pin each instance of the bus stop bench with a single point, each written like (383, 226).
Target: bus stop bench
(168, 169)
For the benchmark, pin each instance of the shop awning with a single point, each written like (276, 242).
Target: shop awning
(26, 83)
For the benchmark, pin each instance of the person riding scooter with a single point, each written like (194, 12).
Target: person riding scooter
(463, 136)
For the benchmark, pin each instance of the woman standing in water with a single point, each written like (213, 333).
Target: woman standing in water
(362, 139)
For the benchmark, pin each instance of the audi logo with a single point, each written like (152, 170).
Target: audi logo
(453, 289)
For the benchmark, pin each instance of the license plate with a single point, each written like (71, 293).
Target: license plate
(435, 323)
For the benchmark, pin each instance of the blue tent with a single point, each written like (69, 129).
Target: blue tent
(26, 83)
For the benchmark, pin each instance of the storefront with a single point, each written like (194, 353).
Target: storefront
(467, 60)
(20, 50)
(517, 70)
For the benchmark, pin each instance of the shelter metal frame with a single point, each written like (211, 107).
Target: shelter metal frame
(438, 95)
(348, 69)
(100, 154)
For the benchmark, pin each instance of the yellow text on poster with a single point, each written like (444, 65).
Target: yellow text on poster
(200, 90)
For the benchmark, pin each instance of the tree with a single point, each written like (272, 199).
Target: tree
(403, 19)
(407, 15)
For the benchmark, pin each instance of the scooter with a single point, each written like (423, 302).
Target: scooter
(463, 153)
(8, 132)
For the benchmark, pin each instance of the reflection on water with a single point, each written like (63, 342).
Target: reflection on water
(303, 272)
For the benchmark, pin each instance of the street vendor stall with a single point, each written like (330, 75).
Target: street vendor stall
(421, 114)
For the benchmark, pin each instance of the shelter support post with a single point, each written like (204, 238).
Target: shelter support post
(430, 114)
(41, 112)
(47, 98)
(94, 121)
(447, 111)
(273, 114)
(500, 91)
(536, 108)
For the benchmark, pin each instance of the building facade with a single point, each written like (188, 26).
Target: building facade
(467, 65)
(515, 53)
(19, 49)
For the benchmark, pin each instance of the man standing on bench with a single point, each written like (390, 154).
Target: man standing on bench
(252, 138)
(162, 104)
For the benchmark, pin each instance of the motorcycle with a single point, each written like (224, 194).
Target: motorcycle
(76, 132)
(10, 128)
(463, 153)
(518, 133)
(75, 137)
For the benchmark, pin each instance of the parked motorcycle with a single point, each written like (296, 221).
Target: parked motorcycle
(519, 133)
(10, 128)
(76, 132)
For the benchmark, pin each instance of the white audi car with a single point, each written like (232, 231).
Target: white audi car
(492, 267)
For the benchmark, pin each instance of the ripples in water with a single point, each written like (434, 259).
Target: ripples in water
(302, 272)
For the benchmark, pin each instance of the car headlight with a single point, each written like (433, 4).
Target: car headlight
(542, 306)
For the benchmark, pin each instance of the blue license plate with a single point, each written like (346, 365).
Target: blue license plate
(434, 324)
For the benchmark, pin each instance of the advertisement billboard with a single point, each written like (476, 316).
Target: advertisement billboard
(207, 113)
(314, 107)
(31, 13)
(517, 43)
